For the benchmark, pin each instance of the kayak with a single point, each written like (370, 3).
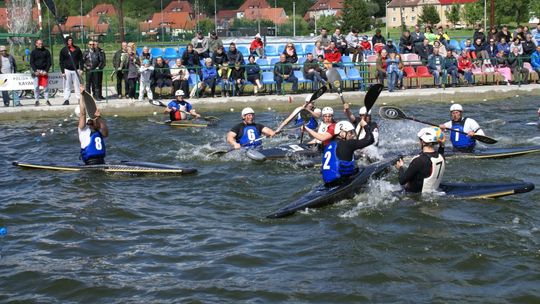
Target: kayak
(322, 195)
(114, 167)
(292, 151)
(495, 152)
(187, 124)
(484, 190)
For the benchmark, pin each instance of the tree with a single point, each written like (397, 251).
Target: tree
(453, 15)
(429, 15)
(120, 11)
(473, 13)
(356, 15)
(302, 27)
(328, 22)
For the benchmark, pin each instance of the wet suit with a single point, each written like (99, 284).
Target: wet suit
(424, 173)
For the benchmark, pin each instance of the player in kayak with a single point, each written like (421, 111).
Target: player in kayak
(325, 133)
(179, 109)
(296, 115)
(460, 142)
(426, 170)
(248, 133)
(338, 162)
(371, 152)
(92, 133)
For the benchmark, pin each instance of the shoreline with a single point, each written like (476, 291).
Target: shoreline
(123, 107)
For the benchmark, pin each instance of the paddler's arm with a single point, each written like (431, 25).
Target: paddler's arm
(474, 127)
(231, 140)
(268, 132)
(82, 116)
(348, 113)
(192, 112)
(101, 124)
(320, 136)
(406, 176)
(288, 119)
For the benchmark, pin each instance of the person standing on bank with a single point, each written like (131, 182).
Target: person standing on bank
(8, 66)
(117, 64)
(71, 63)
(100, 70)
(92, 62)
(40, 63)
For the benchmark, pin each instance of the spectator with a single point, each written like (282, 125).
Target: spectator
(378, 41)
(536, 34)
(290, 53)
(93, 60)
(340, 41)
(323, 38)
(234, 55)
(224, 75)
(100, 70)
(503, 46)
(366, 46)
(504, 33)
(502, 67)
(493, 34)
(479, 51)
(442, 36)
(517, 44)
(450, 67)
(406, 43)
(515, 63)
(417, 37)
(117, 64)
(237, 76)
(146, 71)
(253, 72)
(468, 45)
(283, 71)
(332, 54)
(528, 47)
(465, 67)
(312, 71)
(145, 54)
(518, 34)
(200, 45)
(392, 70)
(424, 51)
(257, 46)
(390, 47)
(353, 46)
(535, 61)
(479, 34)
(71, 65)
(401, 73)
(319, 50)
(190, 59)
(219, 57)
(8, 65)
(441, 47)
(209, 78)
(491, 50)
(435, 65)
(430, 36)
(381, 66)
(132, 66)
(180, 77)
(214, 43)
(161, 76)
(40, 64)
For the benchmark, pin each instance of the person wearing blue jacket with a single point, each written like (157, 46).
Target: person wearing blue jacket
(435, 65)
(535, 61)
(209, 78)
(450, 68)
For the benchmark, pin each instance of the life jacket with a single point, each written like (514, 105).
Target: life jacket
(96, 148)
(180, 113)
(312, 123)
(250, 136)
(461, 141)
(332, 167)
(432, 182)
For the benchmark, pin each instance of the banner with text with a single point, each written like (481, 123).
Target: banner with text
(20, 81)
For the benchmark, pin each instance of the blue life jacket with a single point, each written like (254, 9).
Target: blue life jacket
(461, 141)
(332, 167)
(96, 148)
(312, 123)
(250, 136)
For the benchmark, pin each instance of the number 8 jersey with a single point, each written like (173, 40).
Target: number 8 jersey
(92, 144)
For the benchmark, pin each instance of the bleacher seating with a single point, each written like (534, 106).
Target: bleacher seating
(170, 54)
(268, 78)
(156, 52)
(354, 75)
(270, 50)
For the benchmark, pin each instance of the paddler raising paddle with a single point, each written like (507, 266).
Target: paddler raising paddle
(299, 121)
(179, 109)
(426, 170)
(338, 158)
(462, 143)
(325, 133)
(91, 135)
(248, 133)
(363, 115)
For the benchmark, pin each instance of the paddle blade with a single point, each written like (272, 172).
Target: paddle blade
(51, 6)
(305, 115)
(372, 95)
(157, 103)
(255, 155)
(89, 104)
(220, 152)
(318, 93)
(485, 139)
(334, 78)
(394, 113)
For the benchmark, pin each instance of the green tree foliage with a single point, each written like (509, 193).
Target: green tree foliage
(205, 25)
(517, 11)
(473, 13)
(429, 15)
(328, 22)
(302, 27)
(356, 14)
(453, 15)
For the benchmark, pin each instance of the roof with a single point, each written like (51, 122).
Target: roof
(322, 5)
(276, 15)
(450, 2)
(178, 20)
(92, 24)
(253, 4)
(403, 3)
(178, 6)
(103, 9)
(226, 14)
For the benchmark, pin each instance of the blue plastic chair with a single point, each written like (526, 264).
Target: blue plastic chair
(156, 52)
(181, 50)
(454, 45)
(270, 50)
(280, 49)
(244, 50)
(139, 51)
(268, 78)
(344, 76)
(347, 62)
(310, 48)
(263, 64)
(354, 75)
(301, 78)
(300, 50)
(273, 61)
(193, 80)
(170, 53)
(301, 60)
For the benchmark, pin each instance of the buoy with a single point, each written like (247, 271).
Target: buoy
(517, 95)
(451, 101)
(52, 130)
(232, 110)
(65, 119)
(115, 115)
(269, 109)
(43, 134)
(384, 103)
(59, 125)
(485, 99)
(155, 113)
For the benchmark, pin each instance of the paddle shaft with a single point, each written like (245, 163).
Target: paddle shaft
(432, 124)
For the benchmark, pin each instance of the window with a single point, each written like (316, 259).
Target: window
(413, 18)
(412, 9)
(394, 9)
(394, 19)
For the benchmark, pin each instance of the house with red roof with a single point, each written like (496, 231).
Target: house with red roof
(324, 8)
(410, 11)
(276, 15)
(177, 6)
(172, 22)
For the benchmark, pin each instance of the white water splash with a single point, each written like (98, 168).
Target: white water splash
(379, 195)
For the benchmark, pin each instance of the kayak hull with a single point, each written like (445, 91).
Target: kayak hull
(289, 152)
(484, 190)
(495, 152)
(113, 167)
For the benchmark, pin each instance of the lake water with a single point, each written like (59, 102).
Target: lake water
(97, 238)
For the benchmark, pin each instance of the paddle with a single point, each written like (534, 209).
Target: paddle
(335, 80)
(313, 97)
(395, 113)
(161, 104)
(222, 152)
(371, 97)
(306, 116)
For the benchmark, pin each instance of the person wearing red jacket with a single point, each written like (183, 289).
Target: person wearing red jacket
(257, 46)
(465, 67)
(332, 54)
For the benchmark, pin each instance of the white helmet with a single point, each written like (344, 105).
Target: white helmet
(363, 111)
(431, 135)
(247, 111)
(179, 93)
(327, 110)
(318, 111)
(343, 126)
(456, 107)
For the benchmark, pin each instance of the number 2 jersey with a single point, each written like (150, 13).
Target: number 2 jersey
(247, 135)
(425, 172)
(92, 144)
